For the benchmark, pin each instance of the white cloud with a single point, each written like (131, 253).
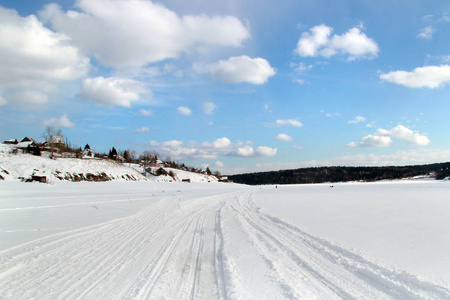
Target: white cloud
(63, 121)
(142, 130)
(289, 122)
(266, 151)
(358, 119)
(107, 28)
(310, 42)
(209, 108)
(210, 150)
(383, 138)
(248, 151)
(182, 151)
(426, 33)
(373, 141)
(284, 137)
(239, 69)
(29, 97)
(221, 143)
(145, 112)
(112, 91)
(318, 42)
(245, 151)
(185, 111)
(33, 57)
(219, 164)
(430, 77)
(300, 67)
(403, 133)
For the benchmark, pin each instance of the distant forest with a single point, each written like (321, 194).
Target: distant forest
(341, 174)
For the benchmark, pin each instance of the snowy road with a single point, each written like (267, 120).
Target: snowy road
(213, 246)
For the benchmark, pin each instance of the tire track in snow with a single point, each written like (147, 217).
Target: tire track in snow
(58, 264)
(294, 253)
(219, 256)
(184, 248)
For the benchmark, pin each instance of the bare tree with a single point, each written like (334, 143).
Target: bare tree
(146, 157)
(48, 133)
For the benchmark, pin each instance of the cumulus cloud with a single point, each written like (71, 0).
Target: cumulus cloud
(142, 130)
(183, 151)
(249, 151)
(245, 151)
(221, 143)
(210, 150)
(63, 121)
(403, 133)
(33, 57)
(239, 69)
(289, 122)
(263, 151)
(185, 111)
(426, 33)
(112, 91)
(358, 119)
(107, 28)
(209, 108)
(429, 77)
(384, 138)
(373, 141)
(284, 137)
(29, 97)
(353, 44)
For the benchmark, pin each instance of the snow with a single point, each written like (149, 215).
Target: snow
(158, 240)
(14, 167)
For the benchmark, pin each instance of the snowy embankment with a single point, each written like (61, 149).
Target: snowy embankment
(140, 240)
(179, 175)
(24, 166)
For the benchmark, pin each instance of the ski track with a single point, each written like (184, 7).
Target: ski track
(181, 248)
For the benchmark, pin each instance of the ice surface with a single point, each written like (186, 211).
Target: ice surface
(138, 240)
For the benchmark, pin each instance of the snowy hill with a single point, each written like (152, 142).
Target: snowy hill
(179, 175)
(23, 166)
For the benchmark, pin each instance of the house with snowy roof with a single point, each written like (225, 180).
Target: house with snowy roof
(11, 142)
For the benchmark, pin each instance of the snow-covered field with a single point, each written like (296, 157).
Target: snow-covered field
(156, 240)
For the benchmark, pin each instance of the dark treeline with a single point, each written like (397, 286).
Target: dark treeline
(341, 174)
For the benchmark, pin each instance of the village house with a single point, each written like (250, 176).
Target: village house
(11, 142)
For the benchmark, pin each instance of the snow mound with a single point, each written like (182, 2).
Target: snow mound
(25, 166)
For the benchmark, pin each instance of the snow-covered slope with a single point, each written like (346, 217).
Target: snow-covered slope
(179, 175)
(24, 166)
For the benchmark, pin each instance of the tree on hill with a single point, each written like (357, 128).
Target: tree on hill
(208, 171)
(112, 153)
(49, 135)
(87, 147)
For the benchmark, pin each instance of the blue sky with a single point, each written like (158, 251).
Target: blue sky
(239, 86)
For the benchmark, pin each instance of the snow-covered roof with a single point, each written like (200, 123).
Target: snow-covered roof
(27, 139)
(25, 144)
(56, 139)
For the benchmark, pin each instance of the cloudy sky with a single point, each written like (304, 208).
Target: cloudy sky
(239, 86)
